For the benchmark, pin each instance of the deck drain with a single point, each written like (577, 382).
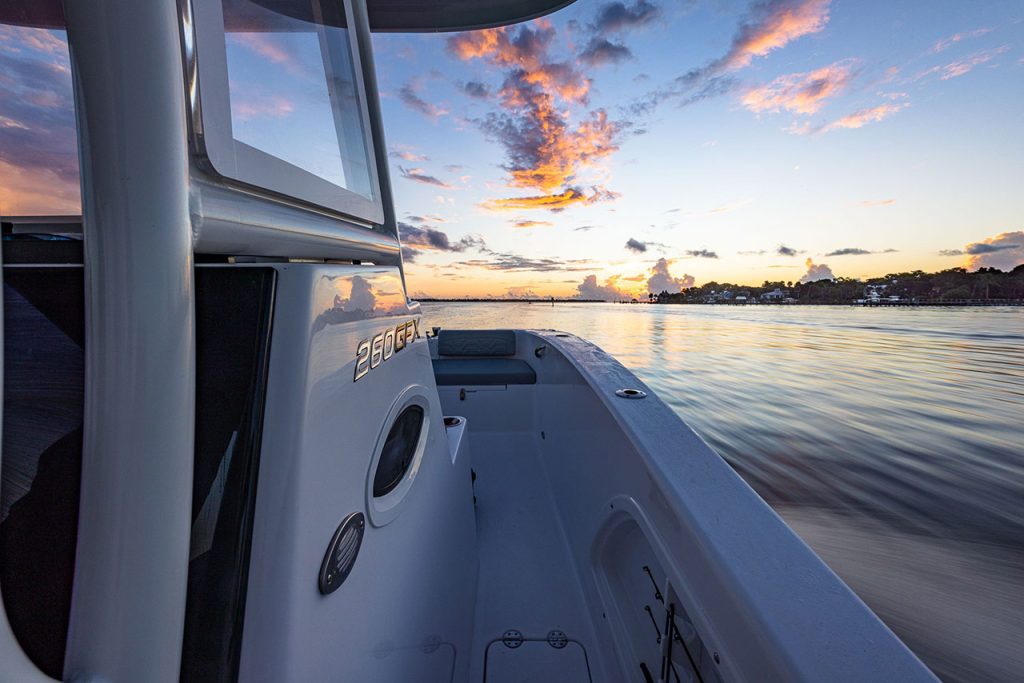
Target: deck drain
(512, 638)
(630, 393)
(557, 639)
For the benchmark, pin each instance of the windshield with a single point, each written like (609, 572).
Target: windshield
(38, 142)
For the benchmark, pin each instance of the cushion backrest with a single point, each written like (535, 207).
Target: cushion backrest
(478, 343)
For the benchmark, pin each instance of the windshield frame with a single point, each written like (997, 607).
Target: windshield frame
(217, 149)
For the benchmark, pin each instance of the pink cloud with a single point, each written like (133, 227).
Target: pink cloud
(801, 93)
(271, 107)
(777, 23)
(857, 119)
(946, 43)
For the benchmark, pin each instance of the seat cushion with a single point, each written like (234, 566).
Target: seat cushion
(483, 371)
(476, 343)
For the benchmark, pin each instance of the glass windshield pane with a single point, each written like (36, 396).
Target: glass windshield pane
(293, 89)
(38, 144)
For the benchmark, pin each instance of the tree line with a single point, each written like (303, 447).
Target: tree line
(954, 284)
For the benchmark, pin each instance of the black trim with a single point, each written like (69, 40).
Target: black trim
(234, 317)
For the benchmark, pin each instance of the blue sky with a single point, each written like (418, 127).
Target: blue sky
(619, 147)
(827, 128)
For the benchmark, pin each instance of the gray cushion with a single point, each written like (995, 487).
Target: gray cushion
(483, 371)
(477, 343)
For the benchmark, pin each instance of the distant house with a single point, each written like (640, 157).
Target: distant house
(742, 297)
(774, 295)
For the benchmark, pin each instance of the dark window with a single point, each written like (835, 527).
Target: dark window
(399, 450)
(43, 384)
(234, 306)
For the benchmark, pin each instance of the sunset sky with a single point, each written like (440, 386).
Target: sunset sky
(737, 141)
(616, 148)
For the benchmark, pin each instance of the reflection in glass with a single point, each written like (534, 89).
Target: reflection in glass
(38, 144)
(294, 93)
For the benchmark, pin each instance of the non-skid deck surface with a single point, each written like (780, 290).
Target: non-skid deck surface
(527, 581)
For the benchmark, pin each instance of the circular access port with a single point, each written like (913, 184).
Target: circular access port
(631, 393)
(399, 449)
(452, 421)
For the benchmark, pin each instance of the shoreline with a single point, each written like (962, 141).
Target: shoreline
(887, 304)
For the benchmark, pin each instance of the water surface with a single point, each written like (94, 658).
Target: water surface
(890, 439)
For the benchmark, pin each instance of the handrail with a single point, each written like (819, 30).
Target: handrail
(131, 563)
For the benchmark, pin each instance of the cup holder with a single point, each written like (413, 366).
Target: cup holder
(452, 421)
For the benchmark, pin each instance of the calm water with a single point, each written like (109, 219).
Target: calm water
(892, 440)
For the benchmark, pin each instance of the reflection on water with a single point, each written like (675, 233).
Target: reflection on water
(890, 439)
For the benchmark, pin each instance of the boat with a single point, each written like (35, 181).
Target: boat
(234, 452)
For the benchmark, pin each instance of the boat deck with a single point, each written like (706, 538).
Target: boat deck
(527, 582)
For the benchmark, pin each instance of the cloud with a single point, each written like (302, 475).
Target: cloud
(517, 263)
(1004, 251)
(965, 66)
(545, 150)
(865, 116)
(521, 293)
(801, 93)
(783, 250)
(878, 202)
(772, 24)
(271, 48)
(476, 89)
(420, 176)
(409, 95)
(609, 291)
(585, 228)
(759, 252)
(856, 251)
(636, 245)
(857, 119)
(661, 279)
(416, 239)
(769, 25)
(600, 51)
(946, 43)
(526, 223)
(429, 218)
(732, 206)
(406, 154)
(816, 272)
(552, 202)
(614, 17)
(700, 253)
(38, 143)
(264, 107)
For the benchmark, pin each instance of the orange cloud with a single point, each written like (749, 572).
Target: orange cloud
(552, 202)
(545, 151)
(1004, 251)
(550, 157)
(778, 23)
(526, 223)
(863, 117)
(801, 93)
(525, 50)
